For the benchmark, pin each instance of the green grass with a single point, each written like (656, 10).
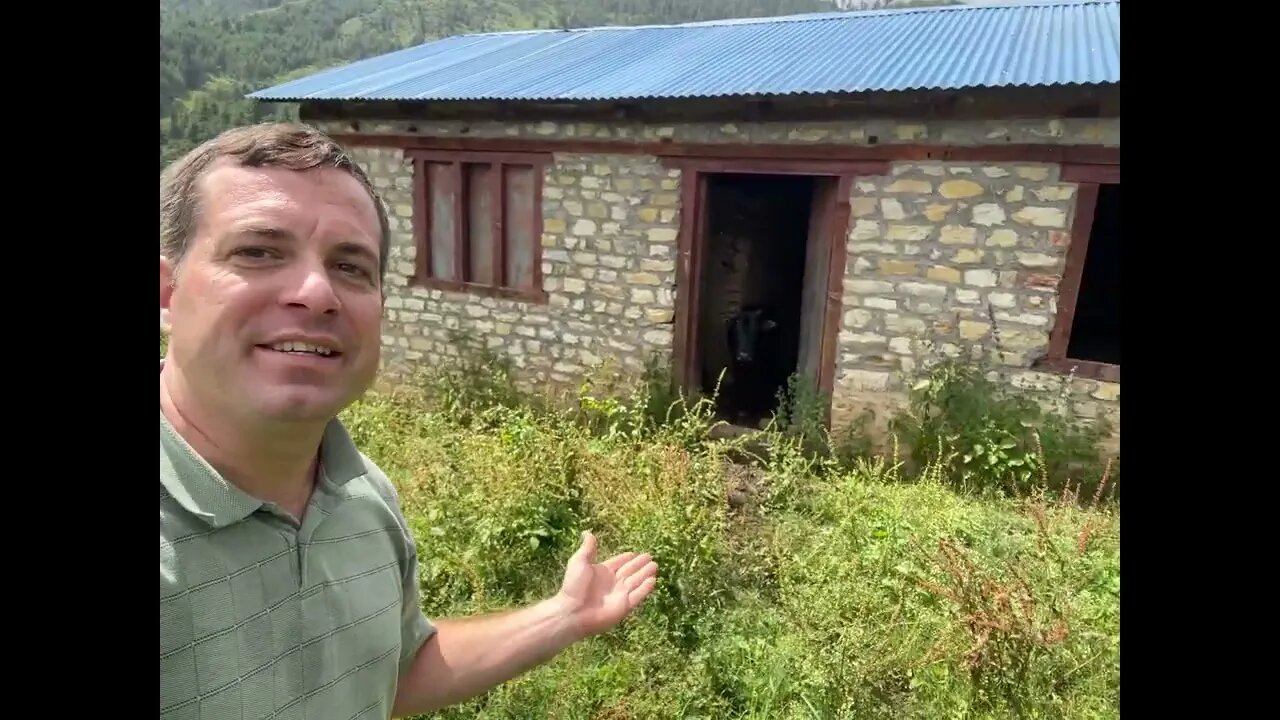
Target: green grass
(839, 588)
(807, 584)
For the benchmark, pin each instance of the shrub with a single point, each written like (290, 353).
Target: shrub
(795, 583)
(1032, 619)
(476, 382)
(987, 437)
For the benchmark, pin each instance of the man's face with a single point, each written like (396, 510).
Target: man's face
(275, 311)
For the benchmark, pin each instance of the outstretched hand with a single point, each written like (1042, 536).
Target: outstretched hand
(599, 595)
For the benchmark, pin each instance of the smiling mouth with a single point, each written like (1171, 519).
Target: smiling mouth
(302, 349)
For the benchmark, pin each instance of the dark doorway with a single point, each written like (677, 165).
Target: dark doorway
(759, 318)
(1095, 327)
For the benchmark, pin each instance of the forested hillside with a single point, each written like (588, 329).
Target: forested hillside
(213, 52)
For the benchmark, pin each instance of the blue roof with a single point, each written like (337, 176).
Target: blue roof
(1039, 43)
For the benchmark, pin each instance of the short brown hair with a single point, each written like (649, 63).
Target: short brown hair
(292, 146)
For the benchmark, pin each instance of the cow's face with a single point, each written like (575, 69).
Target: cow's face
(746, 330)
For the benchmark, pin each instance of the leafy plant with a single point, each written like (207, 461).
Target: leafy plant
(801, 412)
(989, 438)
(859, 586)
(1017, 615)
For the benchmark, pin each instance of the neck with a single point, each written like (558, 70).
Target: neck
(273, 462)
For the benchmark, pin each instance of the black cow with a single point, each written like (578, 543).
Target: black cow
(753, 352)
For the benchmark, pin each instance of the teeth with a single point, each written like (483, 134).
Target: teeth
(301, 347)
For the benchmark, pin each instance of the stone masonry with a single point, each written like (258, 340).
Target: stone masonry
(957, 259)
(944, 258)
(608, 266)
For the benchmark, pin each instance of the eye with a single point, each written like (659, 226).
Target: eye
(254, 252)
(354, 270)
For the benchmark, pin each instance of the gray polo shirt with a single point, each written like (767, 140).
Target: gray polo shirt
(261, 618)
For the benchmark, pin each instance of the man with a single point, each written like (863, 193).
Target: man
(288, 575)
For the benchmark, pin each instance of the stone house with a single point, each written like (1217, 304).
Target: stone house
(904, 182)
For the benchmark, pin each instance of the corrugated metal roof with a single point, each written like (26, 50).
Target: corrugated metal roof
(1051, 42)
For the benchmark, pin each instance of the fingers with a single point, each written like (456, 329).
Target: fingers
(640, 576)
(586, 552)
(640, 593)
(632, 565)
(635, 573)
(616, 561)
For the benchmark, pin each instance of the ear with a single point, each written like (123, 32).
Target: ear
(166, 290)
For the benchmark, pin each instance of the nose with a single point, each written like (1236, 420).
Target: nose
(311, 289)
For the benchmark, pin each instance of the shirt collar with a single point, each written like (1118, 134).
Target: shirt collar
(202, 491)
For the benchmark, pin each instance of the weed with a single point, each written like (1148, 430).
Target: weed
(801, 412)
(1023, 640)
(988, 438)
(799, 582)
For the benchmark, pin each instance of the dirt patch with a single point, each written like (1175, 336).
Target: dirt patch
(743, 485)
(749, 534)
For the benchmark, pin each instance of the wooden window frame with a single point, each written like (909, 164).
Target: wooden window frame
(499, 217)
(1088, 179)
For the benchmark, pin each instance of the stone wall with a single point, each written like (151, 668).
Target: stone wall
(608, 266)
(952, 259)
(943, 257)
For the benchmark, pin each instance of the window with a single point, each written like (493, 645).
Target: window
(477, 222)
(1086, 334)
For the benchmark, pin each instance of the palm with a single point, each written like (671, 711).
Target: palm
(601, 594)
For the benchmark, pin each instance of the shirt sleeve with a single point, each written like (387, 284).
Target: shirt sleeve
(415, 629)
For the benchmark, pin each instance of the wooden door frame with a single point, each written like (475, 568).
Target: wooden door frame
(692, 244)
